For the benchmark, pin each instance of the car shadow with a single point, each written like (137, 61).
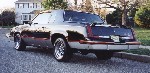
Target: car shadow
(43, 51)
(77, 58)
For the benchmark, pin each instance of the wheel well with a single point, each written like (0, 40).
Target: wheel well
(55, 36)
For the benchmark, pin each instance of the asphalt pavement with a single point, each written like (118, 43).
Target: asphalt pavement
(37, 60)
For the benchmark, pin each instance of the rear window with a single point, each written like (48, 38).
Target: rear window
(81, 17)
(107, 31)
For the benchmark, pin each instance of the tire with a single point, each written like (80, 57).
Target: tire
(19, 43)
(62, 52)
(104, 55)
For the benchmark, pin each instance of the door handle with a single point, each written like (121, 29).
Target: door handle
(35, 23)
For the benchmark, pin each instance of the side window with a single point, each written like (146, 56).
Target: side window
(42, 18)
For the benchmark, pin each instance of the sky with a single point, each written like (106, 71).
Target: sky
(7, 4)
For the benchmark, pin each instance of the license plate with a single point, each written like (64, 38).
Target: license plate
(115, 38)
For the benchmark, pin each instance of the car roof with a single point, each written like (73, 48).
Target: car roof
(61, 10)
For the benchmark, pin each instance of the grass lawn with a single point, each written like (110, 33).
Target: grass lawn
(143, 35)
(139, 51)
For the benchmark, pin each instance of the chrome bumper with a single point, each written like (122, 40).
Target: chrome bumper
(100, 46)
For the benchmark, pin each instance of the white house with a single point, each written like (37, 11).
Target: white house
(25, 10)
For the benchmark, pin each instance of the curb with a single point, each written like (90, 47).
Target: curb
(135, 57)
(5, 28)
(144, 47)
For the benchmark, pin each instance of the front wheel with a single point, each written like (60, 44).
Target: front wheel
(19, 43)
(62, 51)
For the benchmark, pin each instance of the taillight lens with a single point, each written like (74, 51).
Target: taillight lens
(133, 33)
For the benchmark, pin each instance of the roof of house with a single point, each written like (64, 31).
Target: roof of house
(29, 1)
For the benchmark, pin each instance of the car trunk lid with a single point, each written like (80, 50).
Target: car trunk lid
(110, 34)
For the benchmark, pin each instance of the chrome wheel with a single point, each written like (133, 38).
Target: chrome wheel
(59, 48)
(62, 52)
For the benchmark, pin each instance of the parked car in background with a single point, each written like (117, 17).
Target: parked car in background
(68, 32)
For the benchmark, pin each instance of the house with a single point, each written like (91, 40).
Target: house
(25, 10)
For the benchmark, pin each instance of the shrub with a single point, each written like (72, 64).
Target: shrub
(142, 16)
(114, 18)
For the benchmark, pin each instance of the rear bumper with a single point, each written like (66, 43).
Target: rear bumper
(104, 45)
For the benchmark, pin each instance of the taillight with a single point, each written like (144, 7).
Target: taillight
(133, 33)
(89, 31)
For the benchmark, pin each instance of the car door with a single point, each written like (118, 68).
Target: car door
(27, 34)
(42, 33)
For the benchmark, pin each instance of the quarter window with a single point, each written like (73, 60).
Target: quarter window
(42, 18)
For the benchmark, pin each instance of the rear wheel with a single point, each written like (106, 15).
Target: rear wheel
(104, 55)
(19, 43)
(62, 51)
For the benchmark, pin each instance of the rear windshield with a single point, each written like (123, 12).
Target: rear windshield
(81, 17)
(108, 31)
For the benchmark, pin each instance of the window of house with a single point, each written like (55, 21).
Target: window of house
(41, 5)
(21, 17)
(25, 17)
(28, 5)
(29, 17)
(36, 5)
(23, 5)
(18, 5)
(33, 5)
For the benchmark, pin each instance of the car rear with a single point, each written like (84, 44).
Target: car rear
(100, 36)
(110, 38)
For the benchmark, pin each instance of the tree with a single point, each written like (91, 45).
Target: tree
(8, 17)
(114, 18)
(54, 4)
(142, 16)
(75, 3)
(1, 24)
(88, 6)
(85, 6)
(124, 5)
